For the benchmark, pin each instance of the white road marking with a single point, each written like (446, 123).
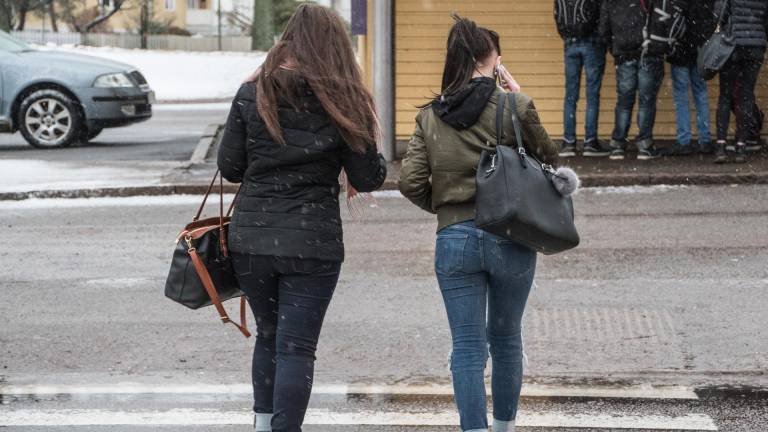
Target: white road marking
(529, 390)
(189, 417)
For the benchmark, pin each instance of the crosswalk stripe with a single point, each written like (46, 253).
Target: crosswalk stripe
(189, 417)
(529, 390)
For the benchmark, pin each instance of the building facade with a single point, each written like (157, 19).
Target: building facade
(531, 49)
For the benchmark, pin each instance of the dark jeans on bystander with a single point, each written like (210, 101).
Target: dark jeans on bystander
(288, 297)
(641, 78)
(738, 80)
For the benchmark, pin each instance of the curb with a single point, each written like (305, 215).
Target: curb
(594, 180)
(209, 136)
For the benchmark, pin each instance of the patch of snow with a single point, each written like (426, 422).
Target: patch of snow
(32, 175)
(387, 194)
(135, 201)
(181, 75)
(222, 106)
(634, 189)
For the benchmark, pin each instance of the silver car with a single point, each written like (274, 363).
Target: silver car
(55, 99)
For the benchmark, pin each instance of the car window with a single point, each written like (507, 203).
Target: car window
(10, 43)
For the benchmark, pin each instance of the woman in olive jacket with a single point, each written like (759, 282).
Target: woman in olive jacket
(290, 132)
(475, 270)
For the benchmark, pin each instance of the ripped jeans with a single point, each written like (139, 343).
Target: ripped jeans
(479, 272)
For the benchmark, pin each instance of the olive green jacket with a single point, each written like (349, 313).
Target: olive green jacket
(438, 172)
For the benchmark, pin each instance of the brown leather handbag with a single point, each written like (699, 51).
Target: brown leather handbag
(201, 271)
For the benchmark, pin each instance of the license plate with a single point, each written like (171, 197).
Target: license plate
(151, 97)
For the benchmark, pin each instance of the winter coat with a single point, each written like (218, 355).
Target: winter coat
(701, 22)
(621, 27)
(289, 202)
(748, 20)
(438, 172)
(577, 19)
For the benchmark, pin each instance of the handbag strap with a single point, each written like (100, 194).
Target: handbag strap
(721, 18)
(516, 121)
(205, 278)
(500, 120)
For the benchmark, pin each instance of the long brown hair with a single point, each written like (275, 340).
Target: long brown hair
(315, 47)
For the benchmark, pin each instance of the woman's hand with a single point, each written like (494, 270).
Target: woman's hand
(508, 81)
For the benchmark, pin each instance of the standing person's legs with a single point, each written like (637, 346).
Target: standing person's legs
(701, 99)
(681, 82)
(573, 66)
(594, 67)
(746, 116)
(626, 89)
(305, 290)
(650, 76)
(729, 78)
(464, 286)
(511, 268)
(258, 280)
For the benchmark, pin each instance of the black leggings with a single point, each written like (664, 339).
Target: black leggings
(288, 297)
(737, 89)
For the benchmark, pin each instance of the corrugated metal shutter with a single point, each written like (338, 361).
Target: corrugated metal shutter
(532, 50)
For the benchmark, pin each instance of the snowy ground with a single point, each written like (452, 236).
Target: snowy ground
(35, 175)
(181, 75)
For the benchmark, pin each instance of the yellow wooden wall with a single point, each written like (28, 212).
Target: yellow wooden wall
(531, 49)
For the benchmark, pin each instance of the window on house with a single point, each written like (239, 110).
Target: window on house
(170, 5)
(197, 4)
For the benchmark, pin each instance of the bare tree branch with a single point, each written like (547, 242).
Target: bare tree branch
(116, 6)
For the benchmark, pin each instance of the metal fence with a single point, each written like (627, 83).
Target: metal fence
(133, 41)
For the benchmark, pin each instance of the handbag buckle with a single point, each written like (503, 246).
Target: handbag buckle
(493, 165)
(521, 150)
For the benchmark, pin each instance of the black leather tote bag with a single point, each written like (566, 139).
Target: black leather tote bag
(717, 50)
(201, 271)
(516, 198)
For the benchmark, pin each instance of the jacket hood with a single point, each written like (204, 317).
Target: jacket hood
(463, 108)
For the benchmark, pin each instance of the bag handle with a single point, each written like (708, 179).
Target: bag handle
(721, 18)
(222, 215)
(500, 120)
(205, 277)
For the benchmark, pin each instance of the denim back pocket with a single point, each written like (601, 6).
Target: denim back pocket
(449, 253)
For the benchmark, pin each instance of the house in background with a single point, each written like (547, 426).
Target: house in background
(411, 61)
(194, 16)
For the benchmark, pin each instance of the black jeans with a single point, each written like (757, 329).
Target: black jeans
(288, 297)
(737, 89)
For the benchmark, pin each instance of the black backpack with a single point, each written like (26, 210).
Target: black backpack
(577, 18)
(665, 26)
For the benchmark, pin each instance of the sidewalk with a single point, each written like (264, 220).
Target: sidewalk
(37, 179)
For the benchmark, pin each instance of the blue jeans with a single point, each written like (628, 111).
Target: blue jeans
(478, 271)
(641, 78)
(588, 54)
(683, 78)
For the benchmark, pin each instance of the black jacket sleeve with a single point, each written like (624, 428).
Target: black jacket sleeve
(366, 171)
(232, 157)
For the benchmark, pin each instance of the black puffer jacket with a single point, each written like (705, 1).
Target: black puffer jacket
(577, 19)
(621, 27)
(701, 22)
(749, 21)
(289, 203)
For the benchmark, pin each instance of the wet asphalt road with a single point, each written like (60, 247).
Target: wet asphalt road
(170, 135)
(669, 286)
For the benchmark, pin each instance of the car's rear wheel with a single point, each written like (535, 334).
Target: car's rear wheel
(49, 119)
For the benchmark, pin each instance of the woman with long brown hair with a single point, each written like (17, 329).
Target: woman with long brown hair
(304, 117)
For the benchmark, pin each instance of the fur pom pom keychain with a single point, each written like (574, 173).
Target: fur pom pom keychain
(566, 181)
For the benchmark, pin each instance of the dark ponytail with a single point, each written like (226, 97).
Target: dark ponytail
(467, 44)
